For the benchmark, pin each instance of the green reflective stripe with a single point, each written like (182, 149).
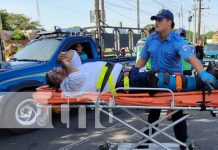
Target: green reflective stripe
(101, 77)
(139, 50)
(126, 82)
(148, 64)
(111, 83)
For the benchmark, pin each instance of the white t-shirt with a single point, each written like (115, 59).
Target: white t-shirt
(85, 79)
(75, 61)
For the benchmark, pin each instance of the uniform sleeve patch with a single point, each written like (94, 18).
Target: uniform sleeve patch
(186, 48)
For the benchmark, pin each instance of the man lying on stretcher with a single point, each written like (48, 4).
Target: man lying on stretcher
(90, 76)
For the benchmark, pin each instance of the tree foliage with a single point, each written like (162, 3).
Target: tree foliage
(11, 21)
(18, 35)
(209, 35)
(4, 17)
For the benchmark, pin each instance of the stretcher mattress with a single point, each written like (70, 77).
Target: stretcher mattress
(45, 95)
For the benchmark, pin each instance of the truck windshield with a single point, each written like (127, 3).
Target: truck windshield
(39, 50)
(212, 48)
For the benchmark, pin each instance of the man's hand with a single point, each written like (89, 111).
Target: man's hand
(207, 77)
(67, 66)
(65, 55)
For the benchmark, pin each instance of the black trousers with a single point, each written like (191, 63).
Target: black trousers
(138, 79)
(180, 129)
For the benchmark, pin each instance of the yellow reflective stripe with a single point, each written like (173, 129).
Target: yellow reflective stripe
(111, 83)
(126, 82)
(101, 77)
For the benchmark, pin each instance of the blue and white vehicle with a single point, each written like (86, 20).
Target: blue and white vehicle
(211, 53)
(26, 71)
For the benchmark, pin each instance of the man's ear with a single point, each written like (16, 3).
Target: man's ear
(170, 22)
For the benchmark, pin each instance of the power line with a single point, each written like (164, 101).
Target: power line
(127, 8)
(62, 7)
(120, 14)
(127, 17)
(115, 5)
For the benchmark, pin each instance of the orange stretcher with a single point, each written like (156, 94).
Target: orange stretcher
(46, 95)
(193, 100)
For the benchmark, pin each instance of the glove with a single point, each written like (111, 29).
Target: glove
(207, 77)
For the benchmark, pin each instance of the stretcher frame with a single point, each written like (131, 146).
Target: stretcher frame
(112, 105)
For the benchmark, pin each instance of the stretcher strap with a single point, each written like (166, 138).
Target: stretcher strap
(178, 81)
(126, 82)
(101, 77)
(105, 76)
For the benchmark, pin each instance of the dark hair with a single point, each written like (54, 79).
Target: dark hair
(183, 35)
(55, 86)
(48, 81)
(173, 24)
(151, 29)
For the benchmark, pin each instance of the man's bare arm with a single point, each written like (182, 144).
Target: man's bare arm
(141, 63)
(196, 64)
(67, 66)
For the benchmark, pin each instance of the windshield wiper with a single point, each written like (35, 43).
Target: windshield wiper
(29, 60)
(14, 59)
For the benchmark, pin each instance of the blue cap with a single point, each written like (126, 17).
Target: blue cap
(181, 31)
(163, 13)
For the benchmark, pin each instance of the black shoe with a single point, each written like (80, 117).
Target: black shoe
(105, 146)
(182, 147)
(190, 147)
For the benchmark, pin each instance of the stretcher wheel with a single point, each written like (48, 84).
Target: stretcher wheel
(108, 146)
(105, 146)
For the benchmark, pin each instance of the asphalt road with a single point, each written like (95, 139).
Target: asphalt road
(202, 128)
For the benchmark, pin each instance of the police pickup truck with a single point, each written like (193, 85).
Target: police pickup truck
(26, 71)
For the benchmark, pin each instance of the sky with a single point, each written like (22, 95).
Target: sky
(69, 13)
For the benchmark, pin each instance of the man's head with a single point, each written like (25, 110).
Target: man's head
(200, 42)
(181, 32)
(164, 21)
(55, 77)
(150, 30)
(79, 47)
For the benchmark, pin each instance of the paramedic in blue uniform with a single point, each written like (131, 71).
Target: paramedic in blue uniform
(165, 49)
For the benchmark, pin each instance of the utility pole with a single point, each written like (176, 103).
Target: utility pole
(179, 15)
(2, 58)
(38, 11)
(138, 16)
(98, 26)
(189, 21)
(102, 12)
(195, 16)
(102, 30)
(182, 16)
(199, 18)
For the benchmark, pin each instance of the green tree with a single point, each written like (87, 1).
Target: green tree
(13, 21)
(209, 35)
(4, 17)
(18, 35)
(20, 21)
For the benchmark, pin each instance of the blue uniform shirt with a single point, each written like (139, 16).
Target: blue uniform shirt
(166, 55)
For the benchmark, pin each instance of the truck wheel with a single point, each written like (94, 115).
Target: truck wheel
(20, 113)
